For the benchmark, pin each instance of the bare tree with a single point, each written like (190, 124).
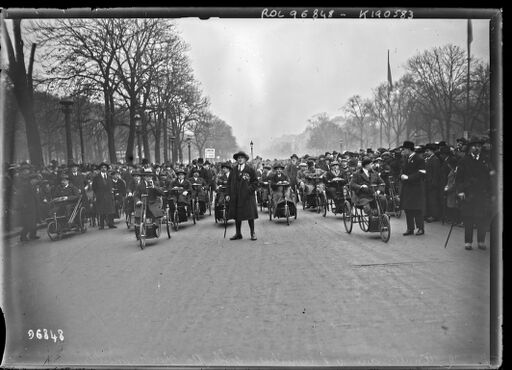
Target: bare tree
(359, 111)
(439, 75)
(23, 87)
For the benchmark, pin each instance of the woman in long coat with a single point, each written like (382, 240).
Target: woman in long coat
(102, 186)
(241, 187)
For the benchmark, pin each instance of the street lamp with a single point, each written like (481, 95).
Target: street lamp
(252, 156)
(66, 108)
(172, 138)
(138, 126)
(188, 144)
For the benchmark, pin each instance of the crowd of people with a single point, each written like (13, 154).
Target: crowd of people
(436, 182)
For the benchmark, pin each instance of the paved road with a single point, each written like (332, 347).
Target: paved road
(304, 294)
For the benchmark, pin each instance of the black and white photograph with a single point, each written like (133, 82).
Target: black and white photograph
(248, 187)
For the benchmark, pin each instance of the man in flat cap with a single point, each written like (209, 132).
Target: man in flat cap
(412, 196)
(241, 187)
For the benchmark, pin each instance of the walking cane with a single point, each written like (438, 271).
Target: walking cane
(448, 238)
(225, 219)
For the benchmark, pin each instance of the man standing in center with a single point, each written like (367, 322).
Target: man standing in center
(241, 187)
(412, 196)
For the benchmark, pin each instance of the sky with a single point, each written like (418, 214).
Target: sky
(267, 77)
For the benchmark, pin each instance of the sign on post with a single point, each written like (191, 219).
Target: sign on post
(209, 153)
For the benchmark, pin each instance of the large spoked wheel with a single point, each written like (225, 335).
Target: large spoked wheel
(175, 220)
(81, 220)
(385, 228)
(142, 234)
(128, 220)
(53, 231)
(167, 226)
(348, 217)
(398, 209)
(363, 218)
(324, 204)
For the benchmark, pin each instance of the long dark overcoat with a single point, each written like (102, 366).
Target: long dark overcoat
(242, 202)
(104, 196)
(473, 179)
(412, 195)
(27, 202)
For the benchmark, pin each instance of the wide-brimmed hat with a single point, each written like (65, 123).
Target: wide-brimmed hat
(408, 145)
(148, 172)
(303, 164)
(267, 166)
(387, 154)
(431, 146)
(103, 164)
(365, 161)
(73, 164)
(335, 163)
(419, 149)
(461, 140)
(226, 165)
(278, 165)
(179, 170)
(475, 140)
(294, 156)
(240, 153)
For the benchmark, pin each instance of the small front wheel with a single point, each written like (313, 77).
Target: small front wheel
(385, 228)
(347, 217)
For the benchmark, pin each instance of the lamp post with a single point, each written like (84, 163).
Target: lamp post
(252, 155)
(172, 138)
(66, 108)
(188, 144)
(137, 120)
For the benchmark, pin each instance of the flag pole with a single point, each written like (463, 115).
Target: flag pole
(470, 39)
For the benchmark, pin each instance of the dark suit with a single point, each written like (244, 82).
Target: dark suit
(104, 199)
(433, 187)
(28, 203)
(241, 192)
(154, 204)
(412, 195)
(474, 180)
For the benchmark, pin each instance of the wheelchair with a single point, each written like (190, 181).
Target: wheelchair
(178, 212)
(263, 195)
(198, 201)
(285, 207)
(376, 221)
(65, 214)
(118, 204)
(317, 198)
(393, 203)
(149, 228)
(340, 201)
(129, 208)
(221, 205)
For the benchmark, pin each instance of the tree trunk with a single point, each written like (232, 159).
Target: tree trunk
(23, 89)
(166, 139)
(158, 127)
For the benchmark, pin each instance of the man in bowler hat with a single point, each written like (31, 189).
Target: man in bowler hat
(241, 187)
(102, 186)
(412, 195)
